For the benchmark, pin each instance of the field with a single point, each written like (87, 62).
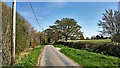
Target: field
(86, 59)
(92, 41)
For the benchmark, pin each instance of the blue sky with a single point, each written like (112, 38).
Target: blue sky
(87, 14)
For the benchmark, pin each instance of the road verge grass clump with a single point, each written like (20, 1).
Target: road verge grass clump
(90, 59)
(31, 59)
(107, 48)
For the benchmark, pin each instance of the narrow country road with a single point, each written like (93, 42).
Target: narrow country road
(52, 57)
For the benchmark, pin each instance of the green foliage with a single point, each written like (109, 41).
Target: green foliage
(6, 33)
(66, 28)
(116, 38)
(21, 34)
(26, 35)
(81, 36)
(106, 48)
(31, 59)
(86, 59)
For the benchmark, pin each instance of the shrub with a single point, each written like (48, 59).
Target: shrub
(104, 48)
(116, 38)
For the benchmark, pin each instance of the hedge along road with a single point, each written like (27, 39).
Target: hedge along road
(52, 57)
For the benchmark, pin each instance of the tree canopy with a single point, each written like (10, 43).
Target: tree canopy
(66, 28)
(111, 24)
(26, 35)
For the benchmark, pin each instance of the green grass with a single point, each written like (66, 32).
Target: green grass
(32, 58)
(91, 41)
(85, 58)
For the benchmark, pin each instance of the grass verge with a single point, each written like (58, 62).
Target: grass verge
(31, 59)
(88, 59)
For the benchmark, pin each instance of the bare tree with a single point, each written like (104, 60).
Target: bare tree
(111, 24)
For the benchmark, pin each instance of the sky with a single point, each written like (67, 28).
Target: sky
(63, 0)
(87, 14)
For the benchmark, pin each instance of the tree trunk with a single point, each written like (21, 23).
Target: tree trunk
(66, 37)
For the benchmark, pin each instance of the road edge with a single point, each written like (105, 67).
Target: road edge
(69, 58)
(39, 58)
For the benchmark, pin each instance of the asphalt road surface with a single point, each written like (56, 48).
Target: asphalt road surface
(52, 57)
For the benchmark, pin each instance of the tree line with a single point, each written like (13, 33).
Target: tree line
(26, 35)
(68, 29)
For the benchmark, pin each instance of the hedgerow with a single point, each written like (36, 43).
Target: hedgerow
(106, 48)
